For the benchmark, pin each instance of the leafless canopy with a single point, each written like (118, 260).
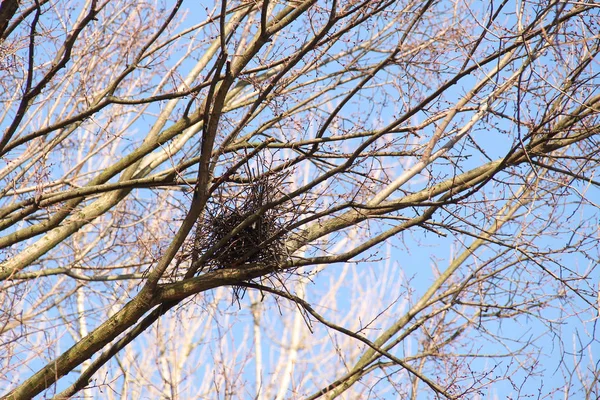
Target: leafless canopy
(299, 199)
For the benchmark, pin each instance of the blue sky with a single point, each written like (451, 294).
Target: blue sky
(397, 273)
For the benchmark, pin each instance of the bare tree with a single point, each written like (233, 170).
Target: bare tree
(299, 199)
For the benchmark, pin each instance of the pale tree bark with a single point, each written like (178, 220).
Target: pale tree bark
(299, 199)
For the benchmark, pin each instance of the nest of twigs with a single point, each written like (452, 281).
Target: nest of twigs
(241, 227)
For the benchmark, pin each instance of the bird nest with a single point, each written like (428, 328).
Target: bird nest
(241, 227)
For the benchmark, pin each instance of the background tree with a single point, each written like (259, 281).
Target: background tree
(299, 199)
